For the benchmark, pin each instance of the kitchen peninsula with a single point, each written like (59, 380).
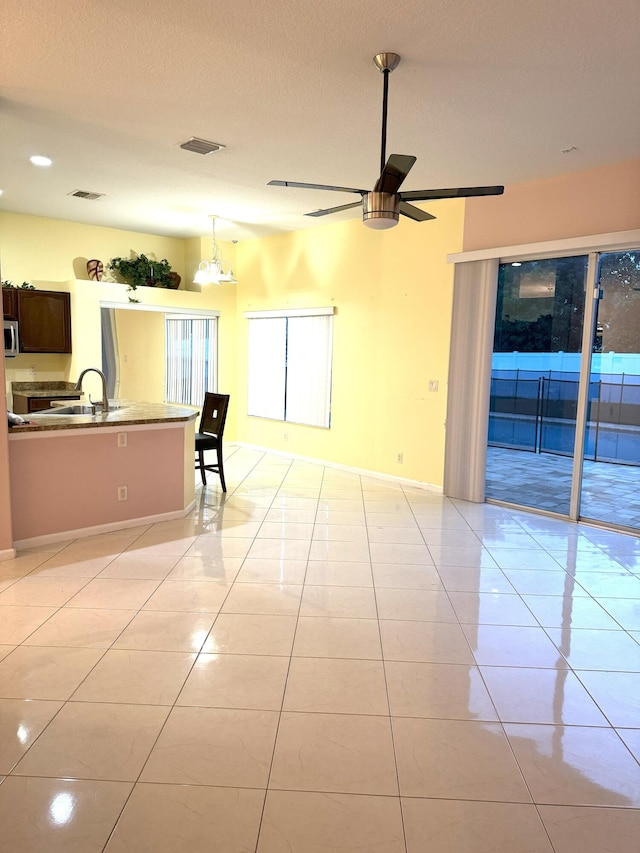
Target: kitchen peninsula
(78, 475)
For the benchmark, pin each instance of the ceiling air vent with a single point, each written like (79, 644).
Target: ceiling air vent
(200, 146)
(86, 195)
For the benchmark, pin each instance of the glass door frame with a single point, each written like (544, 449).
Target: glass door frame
(590, 315)
(588, 330)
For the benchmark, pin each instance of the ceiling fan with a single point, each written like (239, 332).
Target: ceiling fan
(382, 207)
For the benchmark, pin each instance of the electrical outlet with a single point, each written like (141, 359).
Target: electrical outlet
(285, 435)
(400, 458)
(33, 370)
(122, 439)
(433, 385)
(122, 493)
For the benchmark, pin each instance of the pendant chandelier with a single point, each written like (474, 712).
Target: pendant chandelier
(211, 272)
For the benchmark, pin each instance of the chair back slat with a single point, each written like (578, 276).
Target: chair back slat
(214, 414)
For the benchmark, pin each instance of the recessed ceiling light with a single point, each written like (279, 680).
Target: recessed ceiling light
(516, 264)
(38, 160)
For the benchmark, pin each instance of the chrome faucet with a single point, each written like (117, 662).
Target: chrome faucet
(105, 401)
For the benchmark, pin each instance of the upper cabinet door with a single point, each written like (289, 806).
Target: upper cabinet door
(44, 321)
(9, 303)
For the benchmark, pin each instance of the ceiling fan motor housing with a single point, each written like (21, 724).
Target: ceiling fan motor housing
(380, 210)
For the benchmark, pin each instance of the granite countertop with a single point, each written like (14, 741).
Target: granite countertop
(131, 412)
(44, 389)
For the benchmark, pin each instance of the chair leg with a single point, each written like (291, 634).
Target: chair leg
(202, 468)
(221, 470)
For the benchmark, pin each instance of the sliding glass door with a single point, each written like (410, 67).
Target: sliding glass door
(534, 382)
(611, 470)
(566, 375)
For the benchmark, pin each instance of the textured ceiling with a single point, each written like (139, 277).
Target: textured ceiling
(488, 92)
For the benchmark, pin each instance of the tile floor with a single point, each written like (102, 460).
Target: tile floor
(323, 662)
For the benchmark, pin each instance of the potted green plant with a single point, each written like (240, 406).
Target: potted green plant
(141, 271)
(24, 286)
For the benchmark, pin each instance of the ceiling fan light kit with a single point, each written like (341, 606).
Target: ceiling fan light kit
(380, 210)
(382, 207)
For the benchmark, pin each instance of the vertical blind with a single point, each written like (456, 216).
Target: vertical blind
(110, 360)
(309, 370)
(191, 346)
(290, 368)
(267, 367)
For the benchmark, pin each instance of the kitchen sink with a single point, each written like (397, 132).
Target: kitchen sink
(70, 410)
(79, 409)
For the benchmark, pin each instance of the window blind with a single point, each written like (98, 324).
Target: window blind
(290, 367)
(191, 369)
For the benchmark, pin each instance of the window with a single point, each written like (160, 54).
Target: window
(290, 365)
(191, 365)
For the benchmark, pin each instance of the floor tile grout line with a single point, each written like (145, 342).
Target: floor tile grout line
(388, 698)
(58, 607)
(284, 689)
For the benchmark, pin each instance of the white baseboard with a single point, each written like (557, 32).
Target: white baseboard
(111, 527)
(364, 472)
(7, 554)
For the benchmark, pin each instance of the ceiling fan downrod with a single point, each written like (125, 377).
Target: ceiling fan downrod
(385, 62)
(382, 206)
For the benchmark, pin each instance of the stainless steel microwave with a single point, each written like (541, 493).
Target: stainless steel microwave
(11, 347)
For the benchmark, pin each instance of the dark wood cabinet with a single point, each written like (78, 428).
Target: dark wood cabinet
(44, 321)
(9, 303)
(23, 404)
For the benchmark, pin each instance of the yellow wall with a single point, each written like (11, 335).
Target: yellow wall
(392, 292)
(141, 355)
(37, 249)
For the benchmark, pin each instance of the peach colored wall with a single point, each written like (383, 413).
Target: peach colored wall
(596, 201)
(6, 537)
(67, 482)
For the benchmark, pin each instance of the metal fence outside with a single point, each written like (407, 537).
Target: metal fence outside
(537, 413)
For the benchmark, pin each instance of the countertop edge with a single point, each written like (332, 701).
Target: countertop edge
(137, 414)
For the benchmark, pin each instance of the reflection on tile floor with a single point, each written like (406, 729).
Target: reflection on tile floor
(323, 661)
(543, 480)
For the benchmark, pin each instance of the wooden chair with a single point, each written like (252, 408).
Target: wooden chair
(209, 435)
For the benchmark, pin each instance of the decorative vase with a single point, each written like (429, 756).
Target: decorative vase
(95, 268)
(174, 280)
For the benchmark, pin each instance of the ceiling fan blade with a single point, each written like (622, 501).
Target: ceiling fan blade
(457, 192)
(395, 171)
(315, 187)
(334, 209)
(414, 212)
